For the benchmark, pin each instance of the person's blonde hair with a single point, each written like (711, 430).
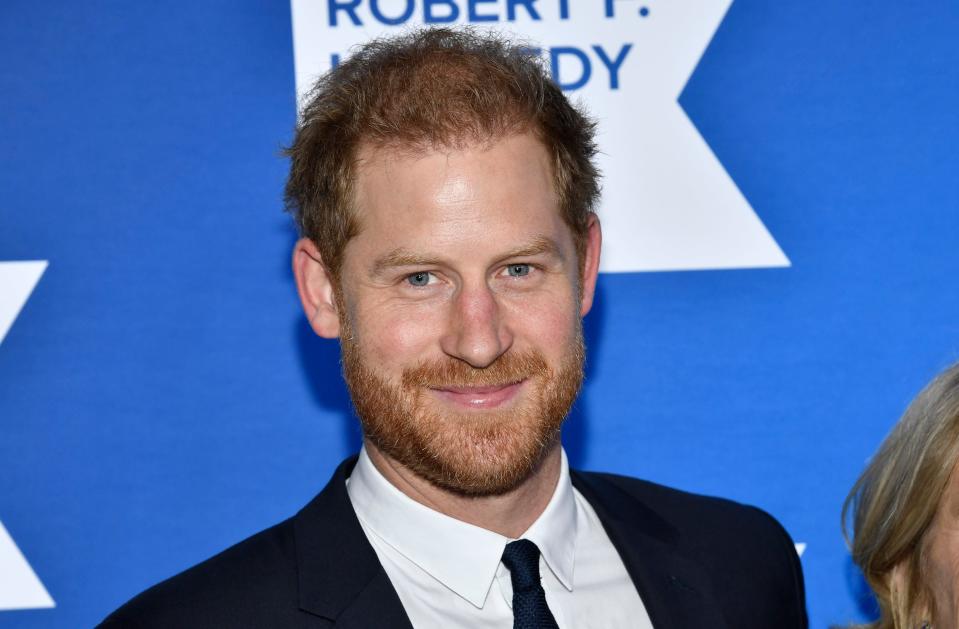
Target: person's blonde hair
(893, 503)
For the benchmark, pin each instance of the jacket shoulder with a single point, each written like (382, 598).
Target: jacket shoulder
(750, 558)
(236, 588)
(694, 515)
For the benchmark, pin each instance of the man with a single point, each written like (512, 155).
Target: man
(444, 189)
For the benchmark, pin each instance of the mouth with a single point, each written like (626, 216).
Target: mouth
(480, 397)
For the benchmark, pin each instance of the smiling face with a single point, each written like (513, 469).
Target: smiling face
(460, 305)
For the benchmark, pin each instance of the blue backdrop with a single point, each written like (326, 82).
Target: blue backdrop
(161, 396)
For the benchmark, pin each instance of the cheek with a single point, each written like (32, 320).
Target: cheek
(942, 576)
(548, 324)
(397, 337)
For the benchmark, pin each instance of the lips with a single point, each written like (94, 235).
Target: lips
(479, 397)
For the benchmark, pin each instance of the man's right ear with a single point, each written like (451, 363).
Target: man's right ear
(315, 285)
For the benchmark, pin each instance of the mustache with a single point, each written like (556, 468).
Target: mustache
(509, 368)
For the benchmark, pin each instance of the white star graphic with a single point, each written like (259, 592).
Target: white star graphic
(20, 588)
(668, 203)
(17, 280)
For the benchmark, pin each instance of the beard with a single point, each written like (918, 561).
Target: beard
(470, 452)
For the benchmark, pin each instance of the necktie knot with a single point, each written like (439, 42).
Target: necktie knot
(522, 559)
(530, 610)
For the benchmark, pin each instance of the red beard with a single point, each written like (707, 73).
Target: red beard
(473, 452)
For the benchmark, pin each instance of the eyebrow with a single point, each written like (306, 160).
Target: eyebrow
(399, 257)
(538, 246)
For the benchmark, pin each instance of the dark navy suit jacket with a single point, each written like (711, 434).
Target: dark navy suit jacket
(697, 563)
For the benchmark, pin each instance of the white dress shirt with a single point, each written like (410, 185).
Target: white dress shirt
(448, 573)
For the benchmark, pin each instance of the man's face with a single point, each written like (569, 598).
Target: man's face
(460, 312)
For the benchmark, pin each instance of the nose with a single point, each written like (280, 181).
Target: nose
(476, 333)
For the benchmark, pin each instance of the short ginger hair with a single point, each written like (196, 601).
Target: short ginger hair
(430, 89)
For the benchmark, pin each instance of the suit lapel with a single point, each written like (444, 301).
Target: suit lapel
(675, 589)
(339, 576)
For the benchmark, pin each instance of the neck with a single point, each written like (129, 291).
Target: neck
(510, 514)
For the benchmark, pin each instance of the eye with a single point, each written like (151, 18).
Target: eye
(418, 279)
(518, 270)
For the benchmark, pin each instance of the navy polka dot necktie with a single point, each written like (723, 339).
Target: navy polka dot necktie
(529, 600)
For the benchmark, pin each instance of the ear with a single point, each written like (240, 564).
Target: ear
(594, 242)
(315, 286)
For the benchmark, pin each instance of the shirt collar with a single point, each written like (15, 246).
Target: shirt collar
(554, 531)
(463, 557)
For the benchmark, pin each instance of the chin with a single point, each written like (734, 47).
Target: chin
(474, 452)
(483, 465)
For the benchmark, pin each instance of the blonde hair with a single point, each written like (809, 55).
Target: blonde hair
(893, 503)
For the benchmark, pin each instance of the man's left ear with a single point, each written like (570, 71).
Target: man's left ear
(594, 242)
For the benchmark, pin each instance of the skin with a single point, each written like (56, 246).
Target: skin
(450, 262)
(941, 558)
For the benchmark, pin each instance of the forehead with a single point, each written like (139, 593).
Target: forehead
(477, 195)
